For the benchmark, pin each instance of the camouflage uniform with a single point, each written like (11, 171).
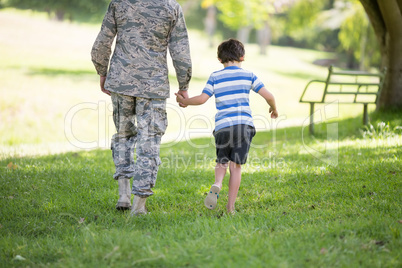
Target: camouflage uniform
(138, 80)
(141, 122)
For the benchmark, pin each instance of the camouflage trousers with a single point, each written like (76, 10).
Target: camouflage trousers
(140, 124)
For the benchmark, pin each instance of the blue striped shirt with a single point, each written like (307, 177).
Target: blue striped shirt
(231, 87)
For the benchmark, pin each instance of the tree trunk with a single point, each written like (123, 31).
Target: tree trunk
(59, 15)
(392, 91)
(264, 38)
(210, 24)
(386, 19)
(363, 45)
(351, 61)
(186, 6)
(243, 34)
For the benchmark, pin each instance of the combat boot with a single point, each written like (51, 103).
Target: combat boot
(124, 201)
(138, 206)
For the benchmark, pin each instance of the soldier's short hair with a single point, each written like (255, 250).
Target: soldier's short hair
(230, 50)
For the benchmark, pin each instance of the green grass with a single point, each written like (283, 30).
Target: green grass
(305, 201)
(293, 210)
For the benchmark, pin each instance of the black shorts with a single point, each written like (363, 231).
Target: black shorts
(233, 143)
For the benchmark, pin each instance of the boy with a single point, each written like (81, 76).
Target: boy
(234, 127)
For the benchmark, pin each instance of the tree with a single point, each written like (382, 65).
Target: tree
(386, 19)
(337, 25)
(357, 37)
(243, 16)
(210, 19)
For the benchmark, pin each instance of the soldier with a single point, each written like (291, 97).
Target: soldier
(137, 81)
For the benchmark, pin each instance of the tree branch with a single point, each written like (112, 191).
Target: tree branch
(392, 16)
(377, 21)
(400, 5)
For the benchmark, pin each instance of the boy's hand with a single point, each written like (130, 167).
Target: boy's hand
(273, 112)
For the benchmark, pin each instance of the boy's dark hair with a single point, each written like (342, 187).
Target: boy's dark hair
(230, 50)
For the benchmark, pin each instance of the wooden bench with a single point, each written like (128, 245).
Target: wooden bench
(344, 87)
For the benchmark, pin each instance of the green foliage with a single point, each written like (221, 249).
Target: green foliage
(237, 14)
(382, 131)
(338, 24)
(301, 27)
(304, 14)
(357, 35)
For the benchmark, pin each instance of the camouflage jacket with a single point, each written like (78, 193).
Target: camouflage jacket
(145, 29)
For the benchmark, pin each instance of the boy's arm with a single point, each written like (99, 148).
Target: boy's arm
(197, 100)
(270, 99)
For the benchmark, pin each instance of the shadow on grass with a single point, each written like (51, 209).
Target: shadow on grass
(348, 128)
(59, 72)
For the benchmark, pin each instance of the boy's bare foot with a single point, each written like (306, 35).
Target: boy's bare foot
(231, 210)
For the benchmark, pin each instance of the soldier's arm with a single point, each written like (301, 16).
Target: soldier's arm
(179, 49)
(101, 49)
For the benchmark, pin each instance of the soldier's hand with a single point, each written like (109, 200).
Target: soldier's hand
(184, 94)
(102, 85)
(179, 99)
(105, 91)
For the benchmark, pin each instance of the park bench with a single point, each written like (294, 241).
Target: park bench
(343, 87)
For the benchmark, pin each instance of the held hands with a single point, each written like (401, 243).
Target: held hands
(273, 112)
(180, 96)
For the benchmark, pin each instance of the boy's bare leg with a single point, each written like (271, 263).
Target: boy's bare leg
(234, 184)
(220, 172)
(212, 197)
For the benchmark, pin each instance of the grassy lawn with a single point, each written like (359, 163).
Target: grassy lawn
(293, 209)
(329, 200)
